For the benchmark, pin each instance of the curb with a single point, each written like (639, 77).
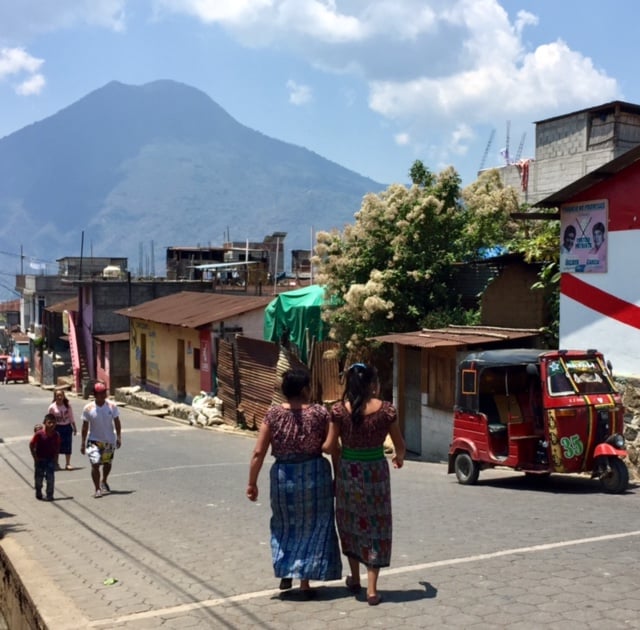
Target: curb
(22, 583)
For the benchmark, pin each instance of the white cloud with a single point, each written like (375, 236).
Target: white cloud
(33, 85)
(299, 94)
(428, 64)
(226, 12)
(459, 138)
(16, 60)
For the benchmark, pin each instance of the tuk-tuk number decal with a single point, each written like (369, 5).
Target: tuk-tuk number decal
(572, 446)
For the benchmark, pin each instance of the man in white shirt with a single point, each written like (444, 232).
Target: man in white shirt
(101, 435)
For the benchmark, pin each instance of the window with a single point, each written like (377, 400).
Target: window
(196, 358)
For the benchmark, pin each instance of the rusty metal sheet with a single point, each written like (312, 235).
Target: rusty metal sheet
(226, 373)
(257, 361)
(457, 336)
(194, 309)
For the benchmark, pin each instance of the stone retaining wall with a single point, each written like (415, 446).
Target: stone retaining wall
(630, 389)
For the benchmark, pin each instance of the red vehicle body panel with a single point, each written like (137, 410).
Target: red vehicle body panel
(17, 368)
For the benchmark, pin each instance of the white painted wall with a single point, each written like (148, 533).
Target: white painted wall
(582, 327)
(437, 428)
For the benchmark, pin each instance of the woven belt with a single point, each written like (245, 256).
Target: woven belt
(296, 459)
(363, 454)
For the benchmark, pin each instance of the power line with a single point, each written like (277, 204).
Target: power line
(34, 258)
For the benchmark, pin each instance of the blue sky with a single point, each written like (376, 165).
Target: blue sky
(369, 84)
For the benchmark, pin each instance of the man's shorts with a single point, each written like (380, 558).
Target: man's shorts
(100, 452)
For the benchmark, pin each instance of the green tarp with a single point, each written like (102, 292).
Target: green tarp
(297, 312)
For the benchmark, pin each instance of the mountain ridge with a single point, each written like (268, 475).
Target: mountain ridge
(163, 163)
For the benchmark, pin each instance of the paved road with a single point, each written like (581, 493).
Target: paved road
(187, 550)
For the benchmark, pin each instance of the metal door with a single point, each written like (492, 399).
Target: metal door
(412, 403)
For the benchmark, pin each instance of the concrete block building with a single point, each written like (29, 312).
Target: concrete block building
(570, 146)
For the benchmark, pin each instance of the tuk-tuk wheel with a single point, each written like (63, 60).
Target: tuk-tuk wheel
(616, 479)
(467, 471)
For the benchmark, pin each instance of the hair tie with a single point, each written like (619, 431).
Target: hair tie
(357, 365)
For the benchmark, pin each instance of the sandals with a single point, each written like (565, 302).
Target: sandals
(286, 584)
(373, 600)
(353, 586)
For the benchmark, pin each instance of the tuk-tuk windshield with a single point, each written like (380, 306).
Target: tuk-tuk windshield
(582, 376)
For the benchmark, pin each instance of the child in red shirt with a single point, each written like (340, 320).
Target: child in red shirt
(44, 447)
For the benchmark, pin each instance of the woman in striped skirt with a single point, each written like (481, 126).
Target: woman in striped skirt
(360, 423)
(304, 543)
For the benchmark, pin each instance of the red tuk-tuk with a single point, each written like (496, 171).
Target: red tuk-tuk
(15, 368)
(540, 412)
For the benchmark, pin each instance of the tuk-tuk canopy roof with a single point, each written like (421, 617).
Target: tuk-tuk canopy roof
(497, 358)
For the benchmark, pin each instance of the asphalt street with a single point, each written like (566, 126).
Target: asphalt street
(177, 545)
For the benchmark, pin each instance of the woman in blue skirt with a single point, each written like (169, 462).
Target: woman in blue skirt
(304, 543)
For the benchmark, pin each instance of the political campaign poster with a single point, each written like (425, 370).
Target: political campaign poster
(583, 237)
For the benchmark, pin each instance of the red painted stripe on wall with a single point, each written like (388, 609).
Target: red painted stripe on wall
(571, 286)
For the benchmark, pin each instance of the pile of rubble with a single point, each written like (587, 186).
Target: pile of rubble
(150, 403)
(205, 409)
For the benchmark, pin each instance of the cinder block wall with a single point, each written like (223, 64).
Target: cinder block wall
(569, 147)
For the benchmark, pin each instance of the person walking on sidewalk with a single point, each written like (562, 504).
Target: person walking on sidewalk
(304, 543)
(359, 426)
(65, 425)
(44, 447)
(101, 435)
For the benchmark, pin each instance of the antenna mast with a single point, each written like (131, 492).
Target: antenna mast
(521, 146)
(507, 159)
(486, 151)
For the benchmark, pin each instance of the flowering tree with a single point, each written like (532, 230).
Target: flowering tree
(392, 270)
(393, 265)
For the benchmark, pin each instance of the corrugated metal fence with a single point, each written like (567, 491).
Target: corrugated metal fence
(250, 371)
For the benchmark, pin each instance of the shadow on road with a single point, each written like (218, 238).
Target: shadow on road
(558, 484)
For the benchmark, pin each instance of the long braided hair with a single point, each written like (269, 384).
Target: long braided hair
(359, 383)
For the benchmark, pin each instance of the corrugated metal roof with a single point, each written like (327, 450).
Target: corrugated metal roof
(453, 336)
(12, 306)
(617, 105)
(193, 310)
(123, 336)
(67, 305)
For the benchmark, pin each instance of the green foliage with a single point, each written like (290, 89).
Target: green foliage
(455, 316)
(420, 175)
(392, 270)
(489, 206)
(394, 265)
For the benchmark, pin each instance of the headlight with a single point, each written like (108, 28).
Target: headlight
(616, 440)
